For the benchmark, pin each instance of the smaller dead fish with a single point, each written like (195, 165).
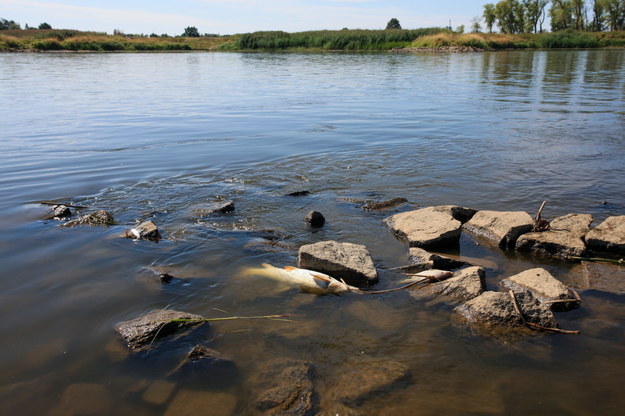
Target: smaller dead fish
(308, 281)
(432, 275)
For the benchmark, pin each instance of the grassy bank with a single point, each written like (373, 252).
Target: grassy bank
(72, 40)
(347, 40)
(496, 41)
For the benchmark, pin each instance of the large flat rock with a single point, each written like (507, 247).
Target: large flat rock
(496, 309)
(608, 236)
(564, 239)
(141, 332)
(466, 284)
(350, 262)
(543, 286)
(430, 227)
(501, 228)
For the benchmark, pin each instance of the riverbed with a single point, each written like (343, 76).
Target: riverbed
(163, 136)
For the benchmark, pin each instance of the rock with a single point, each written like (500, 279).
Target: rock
(368, 379)
(315, 219)
(224, 207)
(601, 276)
(543, 286)
(165, 278)
(298, 193)
(203, 361)
(200, 403)
(141, 332)
(496, 309)
(425, 228)
(466, 284)
(350, 262)
(145, 231)
(500, 228)
(290, 391)
(608, 236)
(159, 392)
(461, 214)
(99, 217)
(389, 203)
(564, 238)
(84, 399)
(419, 256)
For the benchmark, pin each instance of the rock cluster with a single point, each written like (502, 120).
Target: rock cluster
(99, 217)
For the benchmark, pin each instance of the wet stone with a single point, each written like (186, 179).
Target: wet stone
(543, 286)
(315, 219)
(435, 261)
(142, 332)
(84, 399)
(426, 228)
(466, 284)
(286, 388)
(496, 309)
(350, 262)
(99, 217)
(159, 392)
(366, 380)
(389, 203)
(500, 228)
(601, 276)
(200, 403)
(609, 236)
(145, 231)
(298, 193)
(224, 207)
(203, 361)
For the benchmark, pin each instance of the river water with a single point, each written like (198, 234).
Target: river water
(161, 136)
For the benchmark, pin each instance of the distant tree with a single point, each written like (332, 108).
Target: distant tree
(118, 32)
(490, 17)
(615, 14)
(598, 16)
(476, 27)
(561, 14)
(535, 14)
(191, 32)
(510, 16)
(393, 24)
(460, 29)
(9, 24)
(45, 26)
(579, 14)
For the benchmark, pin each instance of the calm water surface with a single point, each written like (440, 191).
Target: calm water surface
(159, 136)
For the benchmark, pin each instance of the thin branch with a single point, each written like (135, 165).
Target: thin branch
(533, 325)
(619, 261)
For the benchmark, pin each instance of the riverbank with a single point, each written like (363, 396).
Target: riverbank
(420, 40)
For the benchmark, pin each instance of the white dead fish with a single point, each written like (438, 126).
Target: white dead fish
(308, 281)
(432, 275)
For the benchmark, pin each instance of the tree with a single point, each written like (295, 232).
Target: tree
(535, 14)
(9, 24)
(476, 27)
(615, 14)
(490, 17)
(579, 14)
(393, 24)
(598, 16)
(191, 32)
(561, 14)
(45, 26)
(510, 16)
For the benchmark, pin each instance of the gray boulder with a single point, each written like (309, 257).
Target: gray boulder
(141, 332)
(145, 231)
(350, 262)
(496, 309)
(543, 286)
(389, 203)
(426, 228)
(99, 217)
(286, 389)
(434, 261)
(608, 236)
(564, 239)
(500, 228)
(466, 284)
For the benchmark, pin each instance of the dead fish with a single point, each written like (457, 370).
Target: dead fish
(432, 275)
(308, 281)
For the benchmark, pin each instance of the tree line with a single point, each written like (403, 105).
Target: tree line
(527, 16)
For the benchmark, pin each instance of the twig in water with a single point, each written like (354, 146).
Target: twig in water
(377, 292)
(540, 224)
(60, 203)
(615, 261)
(533, 325)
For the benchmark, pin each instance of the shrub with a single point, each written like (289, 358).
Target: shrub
(567, 40)
(48, 45)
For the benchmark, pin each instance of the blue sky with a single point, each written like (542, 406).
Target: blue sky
(237, 16)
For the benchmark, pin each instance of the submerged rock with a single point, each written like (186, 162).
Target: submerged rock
(389, 203)
(350, 262)
(366, 380)
(202, 402)
(203, 362)
(141, 332)
(500, 228)
(426, 227)
(543, 286)
(145, 231)
(286, 389)
(466, 284)
(601, 276)
(564, 239)
(224, 207)
(99, 217)
(315, 219)
(496, 309)
(298, 193)
(608, 236)
(436, 261)
(59, 212)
